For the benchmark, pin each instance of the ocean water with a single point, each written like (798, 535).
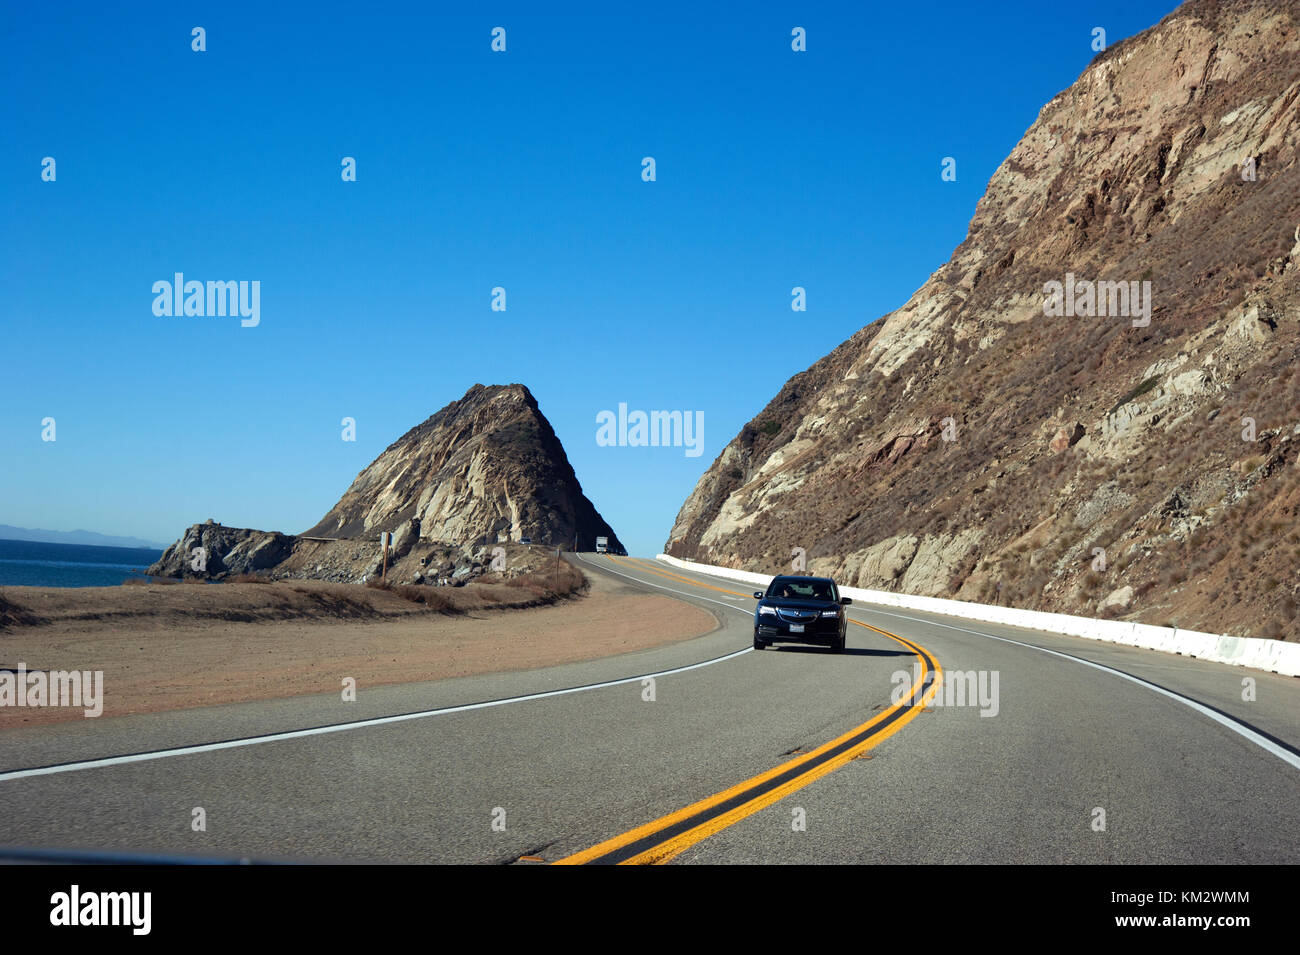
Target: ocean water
(36, 564)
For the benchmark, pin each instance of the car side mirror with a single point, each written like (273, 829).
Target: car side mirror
(845, 601)
(758, 595)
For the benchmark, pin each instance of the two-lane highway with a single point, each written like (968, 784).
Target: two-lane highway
(1062, 750)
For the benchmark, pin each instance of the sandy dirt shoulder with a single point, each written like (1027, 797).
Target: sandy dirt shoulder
(239, 642)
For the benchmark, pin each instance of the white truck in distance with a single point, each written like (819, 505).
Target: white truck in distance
(602, 545)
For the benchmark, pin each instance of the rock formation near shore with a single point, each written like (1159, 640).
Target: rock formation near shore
(485, 470)
(1082, 455)
(213, 550)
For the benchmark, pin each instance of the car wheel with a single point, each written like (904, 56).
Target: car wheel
(839, 647)
(759, 644)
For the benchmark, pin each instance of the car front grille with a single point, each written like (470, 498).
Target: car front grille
(797, 616)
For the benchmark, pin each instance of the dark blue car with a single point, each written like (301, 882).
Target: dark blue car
(801, 610)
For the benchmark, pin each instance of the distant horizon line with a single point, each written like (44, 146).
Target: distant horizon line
(38, 535)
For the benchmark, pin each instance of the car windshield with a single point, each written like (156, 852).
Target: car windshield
(802, 589)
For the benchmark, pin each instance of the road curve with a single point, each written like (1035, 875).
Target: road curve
(707, 751)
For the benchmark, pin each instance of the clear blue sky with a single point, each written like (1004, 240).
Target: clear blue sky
(475, 169)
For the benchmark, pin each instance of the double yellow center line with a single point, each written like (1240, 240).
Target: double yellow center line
(661, 840)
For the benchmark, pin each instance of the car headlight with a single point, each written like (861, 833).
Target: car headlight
(830, 613)
(763, 611)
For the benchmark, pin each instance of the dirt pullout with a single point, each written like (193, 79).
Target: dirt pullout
(200, 645)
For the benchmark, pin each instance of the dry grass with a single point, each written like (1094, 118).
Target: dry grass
(493, 592)
(435, 598)
(12, 614)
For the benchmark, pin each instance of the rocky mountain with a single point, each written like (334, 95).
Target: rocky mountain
(1020, 433)
(485, 470)
(487, 467)
(214, 550)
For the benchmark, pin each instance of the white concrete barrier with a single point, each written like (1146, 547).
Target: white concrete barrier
(1272, 655)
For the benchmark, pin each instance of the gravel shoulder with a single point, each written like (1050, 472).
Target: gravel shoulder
(170, 647)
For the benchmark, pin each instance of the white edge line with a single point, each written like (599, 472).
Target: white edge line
(1245, 732)
(1262, 742)
(683, 593)
(107, 761)
(341, 727)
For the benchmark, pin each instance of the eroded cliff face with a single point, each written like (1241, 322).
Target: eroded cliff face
(969, 445)
(485, 471)
(486, 468)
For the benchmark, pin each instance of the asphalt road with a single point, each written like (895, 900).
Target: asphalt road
(1085, 753)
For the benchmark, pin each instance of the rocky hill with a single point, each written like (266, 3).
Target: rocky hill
(485, 468)
(485, 471)
(1006, 439)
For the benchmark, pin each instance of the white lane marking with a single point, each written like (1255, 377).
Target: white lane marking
(342, 727)
(684, 593)
(374, 721)
(1245, 732)
(1262, 742)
